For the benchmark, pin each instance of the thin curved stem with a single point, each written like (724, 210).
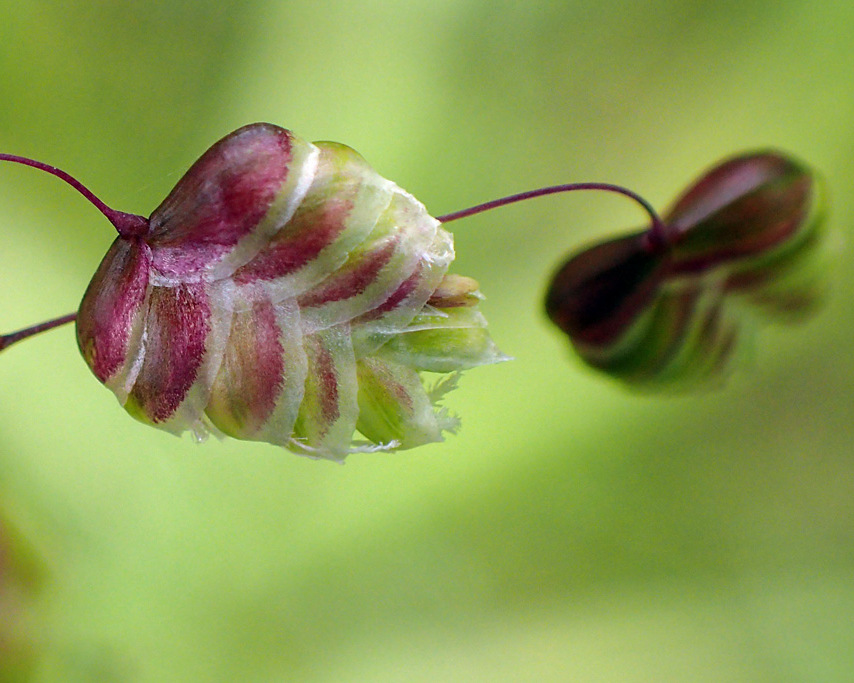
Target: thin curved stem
(656, 235)
(127, 224)
(7, 340)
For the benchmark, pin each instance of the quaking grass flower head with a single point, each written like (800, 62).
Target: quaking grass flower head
(285, 292)
(670, 306)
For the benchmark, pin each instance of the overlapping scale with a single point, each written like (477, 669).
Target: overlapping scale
(265, 301)
(745, 242)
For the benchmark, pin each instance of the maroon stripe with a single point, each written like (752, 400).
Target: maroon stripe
(351, 282)
(600, 292)
(401, 396)
(254, 366)
(745, 206)
(756, 224)
(309, 233)
(220, 199)
(112, 301)
(176, 331)
(268, 373)
(327, 383)
(725, 184)
(398, 297)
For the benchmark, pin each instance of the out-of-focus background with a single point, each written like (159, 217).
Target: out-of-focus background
(572, 530)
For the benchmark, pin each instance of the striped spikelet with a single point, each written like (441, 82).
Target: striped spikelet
(285, 292)
(744, 244)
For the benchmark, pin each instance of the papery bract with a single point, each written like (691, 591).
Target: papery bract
(284, 292)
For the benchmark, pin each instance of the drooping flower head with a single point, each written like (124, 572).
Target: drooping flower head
(284, 292)
(669, 306)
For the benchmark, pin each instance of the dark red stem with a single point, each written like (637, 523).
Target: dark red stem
(656, 237)
(7, 340)
(127, 224)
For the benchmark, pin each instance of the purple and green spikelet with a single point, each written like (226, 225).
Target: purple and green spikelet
(667, 307)
(284, 292)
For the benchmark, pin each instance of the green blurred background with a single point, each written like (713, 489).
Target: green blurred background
(572, 531)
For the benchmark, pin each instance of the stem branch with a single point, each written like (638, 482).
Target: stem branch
(127, 224)
(656, 235)
(7, 340)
